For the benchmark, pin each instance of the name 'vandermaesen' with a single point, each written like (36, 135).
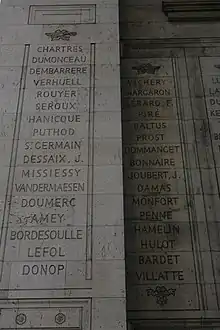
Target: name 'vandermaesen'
(50, 187)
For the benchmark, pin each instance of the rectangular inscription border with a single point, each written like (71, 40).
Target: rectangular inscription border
(153, 52)
(56, 306)
(144, 320)
(62, 14)
(14, 154)
(172, 323)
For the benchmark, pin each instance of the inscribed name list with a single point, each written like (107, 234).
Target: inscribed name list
(160, 259)
(48, 216)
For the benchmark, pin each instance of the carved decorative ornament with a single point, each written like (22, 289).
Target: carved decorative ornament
(61, 35)
(60, 318)
(146, 68)
(161, 293)
(21, 319)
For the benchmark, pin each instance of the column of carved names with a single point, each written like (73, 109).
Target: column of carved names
(48, 217)
(158, 241)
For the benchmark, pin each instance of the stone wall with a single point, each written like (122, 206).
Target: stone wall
(62, 231)
(170, 109)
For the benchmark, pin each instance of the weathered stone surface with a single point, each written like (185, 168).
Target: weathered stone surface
(61, 183)
(170, 89)
(61, 205)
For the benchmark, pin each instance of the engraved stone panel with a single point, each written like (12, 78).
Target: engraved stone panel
(44, 176)
(159, 246)
(68, 14)
(171, 224)
(170, 156)
(61, 250)
(46, 315)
